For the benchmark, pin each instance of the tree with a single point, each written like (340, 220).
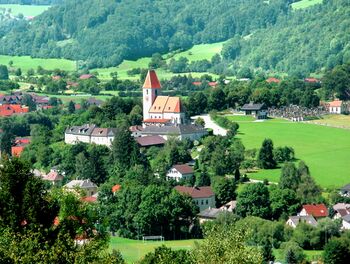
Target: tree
(293, 254)
(18, 72)
(199, 122)
(265, 156)
(337, 251)
(225, 191)
(254, 201)
(284, 202)
(283, 154)
(290, 178)
(203, 179)
(71, 107)
(267, 251)
(4, 73)
(308, 191)
(164, 255)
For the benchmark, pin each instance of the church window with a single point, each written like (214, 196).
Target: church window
(147, 91)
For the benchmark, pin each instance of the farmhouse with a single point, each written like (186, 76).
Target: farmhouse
(316, 210)
(293, 221)
(90, 134)
(257, 110)
(340, 210)
(336, 107)
(180, 172)
(204, 197)
(157, 109)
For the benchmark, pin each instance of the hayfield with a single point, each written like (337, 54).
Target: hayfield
(26, 10)
(26, 63)
(134, 250)
(326, 150)
(305, 4)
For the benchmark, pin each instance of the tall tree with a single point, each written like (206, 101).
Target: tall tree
(290, 178)
(4, 73)
(265, 156)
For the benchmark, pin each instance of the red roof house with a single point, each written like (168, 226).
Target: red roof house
(12, 109)
(18, 146)
(311, 80)
(315, 210)
(149, 141)
(273, 80)
(86, 76)
(203, 197)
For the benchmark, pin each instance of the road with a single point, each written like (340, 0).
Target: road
(217, 130)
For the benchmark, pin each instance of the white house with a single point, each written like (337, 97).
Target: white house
(180, 172)
(103, 136)
(88, 186)
(203, 197)
(341, 209)
(293, 221)
(336, 107)
(256, 110)
(346, 222)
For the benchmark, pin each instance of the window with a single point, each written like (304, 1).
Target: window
(206, 201)
(147, 91)
(202, 202)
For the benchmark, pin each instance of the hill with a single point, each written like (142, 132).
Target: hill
(104, 33)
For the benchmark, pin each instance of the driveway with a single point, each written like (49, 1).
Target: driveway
(217, 130)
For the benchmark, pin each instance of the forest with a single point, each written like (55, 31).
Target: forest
(105, 33)
(31, 2)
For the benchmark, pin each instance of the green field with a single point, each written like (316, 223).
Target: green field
(26, 10)
(134, 250)
(26, 63)
(325, 149)
(311, 255)
(342, 121)
(305, 3)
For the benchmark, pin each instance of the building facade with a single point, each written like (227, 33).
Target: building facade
(203, 197)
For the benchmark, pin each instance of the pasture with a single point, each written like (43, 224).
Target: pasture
(26, 10)
(305, 4)
(341, 121)
(134, 250)
(26, 63)
(324, 149)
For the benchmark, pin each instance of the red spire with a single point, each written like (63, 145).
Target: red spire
(151, 81)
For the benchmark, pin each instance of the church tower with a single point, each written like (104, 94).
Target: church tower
(151, 89)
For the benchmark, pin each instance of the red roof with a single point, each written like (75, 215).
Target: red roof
(53, 176)
(22, 140)
(196, 192)
(151, 81)
(316, 210)
(197, 83)
(311, 80)
(16, 151)
(9, 110)
(155, 120)
(336, 103)
(183, 168)
(89, 199)
(86, 76)
(57, 77)
(273, 80)
(148, 141)
(116, 188)
(212, 84)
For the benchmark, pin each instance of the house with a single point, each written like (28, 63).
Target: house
(316, 210)
(19, 145)
(159, 109)
(311, 80)
(12, 109)
(53, 176)
(90, 133)
(340, 210)
(180, 172)
(86, 76)
(293, 221)
(229, 207)
(86, 185)
(208, 214)
(257, 110)
(346, 222)
(345, 190)
(135, 131)
(203, 197)
(273, 80)
(336, 107)
(150, 141)
(191, 132)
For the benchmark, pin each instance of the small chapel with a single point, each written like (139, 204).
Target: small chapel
(157, 109)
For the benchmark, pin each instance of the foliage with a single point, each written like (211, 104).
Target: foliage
(265, 156)
(337, 250)
(4, 74)
(164, 255)
(225, 191)
(293, 254)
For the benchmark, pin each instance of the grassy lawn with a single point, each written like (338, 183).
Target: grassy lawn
(305, 3)
(26, 10)
(311, 255)
(324, 149)
(134, 250)
(26, 63)
(334, 120)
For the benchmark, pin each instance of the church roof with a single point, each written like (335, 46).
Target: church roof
(151, 81)
(166, 104)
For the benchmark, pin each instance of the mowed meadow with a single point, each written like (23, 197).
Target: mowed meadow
(326, 150)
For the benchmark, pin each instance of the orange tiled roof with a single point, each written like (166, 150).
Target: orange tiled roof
(8, 110)
(155, 120)
(159, 104)
(336, 103)
(116, 188)
(273, 80)
(172, 105)
(166, 104)
(151, 81)
(316, 210)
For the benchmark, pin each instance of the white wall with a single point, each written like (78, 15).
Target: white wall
(73, 139)
(176, 175)
(204, 203)
(345, 225)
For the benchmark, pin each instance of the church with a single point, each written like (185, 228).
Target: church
(157, 109)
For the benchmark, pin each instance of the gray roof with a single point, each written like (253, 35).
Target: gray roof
(209, 213)
(103, 132)
(345, 188)
(309, 219)
(81, 130)
(81, 184)
(252, 107)
(173, 130)
(346, 218)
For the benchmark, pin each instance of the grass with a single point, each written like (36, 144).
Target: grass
(26, 10)
(26, 63)
(342, 121)
(134, 250)
(305, 4)
(324, 149)
(311, 255)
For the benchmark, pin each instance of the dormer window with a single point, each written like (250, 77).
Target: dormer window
(159, 107)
